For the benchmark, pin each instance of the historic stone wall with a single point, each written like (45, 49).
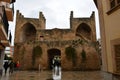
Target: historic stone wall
(53, 42)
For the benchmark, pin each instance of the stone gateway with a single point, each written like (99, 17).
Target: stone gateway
(75, 47)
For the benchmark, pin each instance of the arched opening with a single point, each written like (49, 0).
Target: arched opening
(36, 53)
(28, 33)
(51, 54)
(84, 31)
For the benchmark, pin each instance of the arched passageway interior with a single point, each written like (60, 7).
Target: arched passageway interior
(84, 31)
(52, 53)
(28, 33)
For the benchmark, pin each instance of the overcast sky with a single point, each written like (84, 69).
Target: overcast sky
(56, 12)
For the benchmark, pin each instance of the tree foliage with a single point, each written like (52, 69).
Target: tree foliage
(37, 52)
(83, 54)
(71, 54)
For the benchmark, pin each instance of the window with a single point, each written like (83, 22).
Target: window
(117, 57)
(114, 3)
(118, 1)
(115, 48)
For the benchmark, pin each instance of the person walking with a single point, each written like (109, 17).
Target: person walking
(18, 65)
(11, 67)
(6, 65)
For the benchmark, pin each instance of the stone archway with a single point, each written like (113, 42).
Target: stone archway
(51, 54)
(28, 33)
(84, 31)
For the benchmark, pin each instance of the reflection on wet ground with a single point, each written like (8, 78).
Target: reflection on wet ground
(56, 73)
(51, 75)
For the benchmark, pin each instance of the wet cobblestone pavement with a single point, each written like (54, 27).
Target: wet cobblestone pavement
(47, 75)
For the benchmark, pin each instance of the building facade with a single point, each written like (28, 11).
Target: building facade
(34, 44)
(6, 14)
(109, 15)
(9, 51)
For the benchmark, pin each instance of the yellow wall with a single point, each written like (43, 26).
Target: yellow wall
(112, 31)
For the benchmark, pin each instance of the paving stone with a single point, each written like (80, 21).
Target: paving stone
(47, 75)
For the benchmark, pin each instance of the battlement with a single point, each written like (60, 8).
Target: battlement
(19, 14)
(71, 14)
(42, 20)
(41, 16)
(93, 15)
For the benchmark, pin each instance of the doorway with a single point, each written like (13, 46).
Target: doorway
(52, 53)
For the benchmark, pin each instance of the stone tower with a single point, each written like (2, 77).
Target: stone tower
(36, 45)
